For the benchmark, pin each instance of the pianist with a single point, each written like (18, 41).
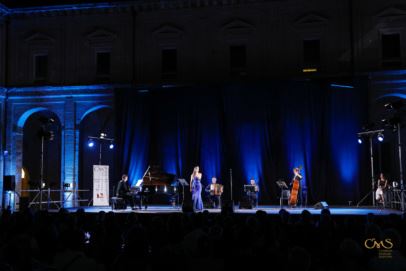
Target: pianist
(123, 191)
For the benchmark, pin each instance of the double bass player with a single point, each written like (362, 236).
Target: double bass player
(296, 187)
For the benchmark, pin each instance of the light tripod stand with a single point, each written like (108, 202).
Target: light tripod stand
(370, 135)
(45, 133)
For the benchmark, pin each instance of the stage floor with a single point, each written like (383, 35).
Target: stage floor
(272, 210)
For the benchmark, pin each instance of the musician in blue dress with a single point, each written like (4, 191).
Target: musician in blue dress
(196, 189)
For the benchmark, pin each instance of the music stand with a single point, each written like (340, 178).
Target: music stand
(183, 183)
(283, 186)
(249, 188)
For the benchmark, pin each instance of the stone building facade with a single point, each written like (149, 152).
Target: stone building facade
(69, 59)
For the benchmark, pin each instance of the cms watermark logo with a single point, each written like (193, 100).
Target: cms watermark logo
(373, 243)
(384, 247)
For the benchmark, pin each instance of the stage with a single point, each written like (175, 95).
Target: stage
(269, 209)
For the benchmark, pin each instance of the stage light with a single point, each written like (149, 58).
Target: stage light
(388, 106)
(380, 137)
(111, 146)
(396, 105)
(359, 140)
(90, 143)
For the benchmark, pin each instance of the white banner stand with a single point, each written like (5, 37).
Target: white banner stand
(100, 185)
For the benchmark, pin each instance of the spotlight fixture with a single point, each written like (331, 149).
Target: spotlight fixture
(90, 143)
(388, 106)
(102, 141)
(359, 140)
(396, 105)
(380, 137)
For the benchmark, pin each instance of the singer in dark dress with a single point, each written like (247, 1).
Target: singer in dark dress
(380, 191)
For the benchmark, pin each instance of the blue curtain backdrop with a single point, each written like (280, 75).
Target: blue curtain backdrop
(259, 131)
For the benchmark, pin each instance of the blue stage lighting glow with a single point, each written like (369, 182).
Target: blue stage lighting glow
(111, 146)
(298, 145)
(210, 140)
(397, 95)
(66, 88)
(251, 151)
(341, 86)
(344, 124)
(168, 150)
(65, 7)
(380, 137)
(359, 140)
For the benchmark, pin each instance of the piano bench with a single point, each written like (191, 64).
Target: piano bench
(117, 203)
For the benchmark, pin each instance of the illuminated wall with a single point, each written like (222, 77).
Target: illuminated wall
(70, 104)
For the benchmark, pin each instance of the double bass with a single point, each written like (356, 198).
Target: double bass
(295, 186)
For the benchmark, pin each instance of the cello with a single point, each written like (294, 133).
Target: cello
(295, 187)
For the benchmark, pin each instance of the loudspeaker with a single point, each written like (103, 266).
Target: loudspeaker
(321, 205)
(227, 207)
(187, 207)
(9, 183)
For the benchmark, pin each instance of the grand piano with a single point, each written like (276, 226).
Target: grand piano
(159, 187)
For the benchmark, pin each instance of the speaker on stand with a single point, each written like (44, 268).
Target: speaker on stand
(321, 205)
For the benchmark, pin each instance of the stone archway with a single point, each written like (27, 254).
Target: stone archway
(70, 104)
(42, 155)
(96, 120)
(16, 142)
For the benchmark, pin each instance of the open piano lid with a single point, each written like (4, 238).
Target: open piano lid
(155, 176)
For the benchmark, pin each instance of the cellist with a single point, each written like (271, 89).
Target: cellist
(296, 187)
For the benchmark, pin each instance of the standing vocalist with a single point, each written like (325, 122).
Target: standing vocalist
(196, 189)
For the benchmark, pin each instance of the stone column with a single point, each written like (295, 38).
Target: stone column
(69, 148)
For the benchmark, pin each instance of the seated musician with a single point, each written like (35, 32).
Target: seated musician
(123, 191)
(215, 191)
(382, 184)
(253, 195)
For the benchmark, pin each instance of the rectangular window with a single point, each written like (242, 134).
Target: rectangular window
(238, 60)
(169, 63)
(103, 63)
(40, 67)
(311, 53)
(391, 56)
